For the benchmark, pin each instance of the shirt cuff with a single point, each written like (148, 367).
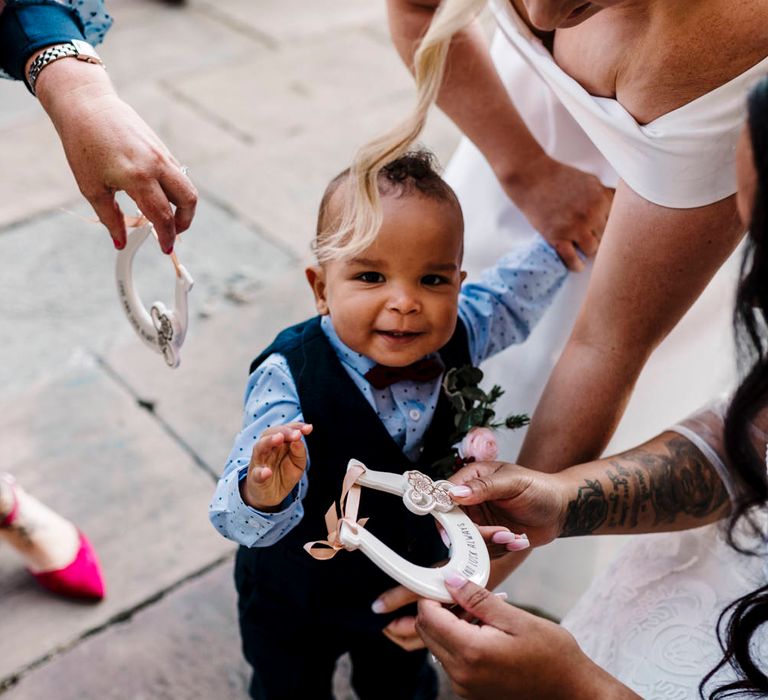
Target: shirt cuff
(26, 28)
(236, 520)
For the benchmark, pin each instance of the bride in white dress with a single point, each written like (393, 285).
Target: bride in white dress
(649, 626)
(617, 102)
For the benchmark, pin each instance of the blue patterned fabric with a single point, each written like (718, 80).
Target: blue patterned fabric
(498, 310)
(29, 25)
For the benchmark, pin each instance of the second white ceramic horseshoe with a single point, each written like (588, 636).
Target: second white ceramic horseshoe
(421, 495)
(160, 328)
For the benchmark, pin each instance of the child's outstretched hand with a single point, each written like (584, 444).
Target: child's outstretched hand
(278, 460)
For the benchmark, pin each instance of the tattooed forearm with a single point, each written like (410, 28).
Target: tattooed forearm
(647, 488)
(587, 512)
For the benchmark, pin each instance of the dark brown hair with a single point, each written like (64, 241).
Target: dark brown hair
(415, 173)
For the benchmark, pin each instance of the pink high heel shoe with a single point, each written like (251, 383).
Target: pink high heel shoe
(81, 579)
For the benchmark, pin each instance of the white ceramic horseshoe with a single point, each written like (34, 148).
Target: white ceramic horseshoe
(421, 495)
(160, 328)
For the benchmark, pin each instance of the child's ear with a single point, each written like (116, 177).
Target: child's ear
(463, 276)
(316, 277)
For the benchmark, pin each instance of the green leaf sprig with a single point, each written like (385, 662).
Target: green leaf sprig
(473, 408)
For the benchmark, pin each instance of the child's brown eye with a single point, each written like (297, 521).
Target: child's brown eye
(434, 280)
(371, 277)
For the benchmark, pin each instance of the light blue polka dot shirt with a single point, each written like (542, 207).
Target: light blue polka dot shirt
(498, 311)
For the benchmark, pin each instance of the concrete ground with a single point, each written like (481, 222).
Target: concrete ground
(263, 100)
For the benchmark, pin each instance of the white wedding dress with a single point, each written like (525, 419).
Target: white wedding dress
(663, 592)
(651, 618)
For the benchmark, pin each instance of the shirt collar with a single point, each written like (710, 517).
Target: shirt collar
(359, 363)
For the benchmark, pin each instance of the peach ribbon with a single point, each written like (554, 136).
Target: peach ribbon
(348, 506)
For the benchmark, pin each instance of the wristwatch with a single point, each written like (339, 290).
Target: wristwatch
(81, 50)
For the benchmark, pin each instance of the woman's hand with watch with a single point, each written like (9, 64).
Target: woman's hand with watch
(110, 148)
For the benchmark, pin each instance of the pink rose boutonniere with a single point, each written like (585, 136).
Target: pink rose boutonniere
(474, 419)
(480, 445)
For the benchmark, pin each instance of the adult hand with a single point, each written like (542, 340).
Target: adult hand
(567, 206)
(511, 654)
(278, 461)
(402, 630)
(110, 148)
(523, 500)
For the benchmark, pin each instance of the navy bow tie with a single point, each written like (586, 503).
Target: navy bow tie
(381, 376)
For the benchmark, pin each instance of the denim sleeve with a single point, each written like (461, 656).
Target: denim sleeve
(29, 25)
(270, 399)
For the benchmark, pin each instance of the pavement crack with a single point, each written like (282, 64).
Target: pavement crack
(215, 13)
(119, 618)
(207, 115)
(149, 406)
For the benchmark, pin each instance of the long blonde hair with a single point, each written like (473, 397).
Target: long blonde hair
(361, 217)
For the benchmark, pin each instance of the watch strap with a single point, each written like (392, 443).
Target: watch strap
(75, 48)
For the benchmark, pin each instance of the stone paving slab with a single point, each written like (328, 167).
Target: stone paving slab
(287, 21)
(80, 444)
(186, 646)
(35, 176)
(301, 86)
(201, 401)
(59, 296)
(159, 42)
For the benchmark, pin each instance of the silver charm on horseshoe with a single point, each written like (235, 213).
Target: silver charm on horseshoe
(424, 495)
(160, 328)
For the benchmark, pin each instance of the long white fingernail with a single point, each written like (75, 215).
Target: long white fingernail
(503, 537)
(460, 491)
(378, 607)
(502, 595)
(521, 542)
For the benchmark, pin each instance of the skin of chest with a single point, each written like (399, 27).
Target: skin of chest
(657, 55)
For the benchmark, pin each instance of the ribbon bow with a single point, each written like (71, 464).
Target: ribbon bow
(424, 370)
(348, 505)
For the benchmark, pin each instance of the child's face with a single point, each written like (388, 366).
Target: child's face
(397, 301)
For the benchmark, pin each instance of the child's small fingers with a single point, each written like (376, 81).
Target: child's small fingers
(290, 433)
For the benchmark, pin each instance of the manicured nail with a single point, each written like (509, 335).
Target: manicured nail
(444, 537)
(501, 595)
(118, 244)
(460, 491)
(521, 542)
(503, 537)
(378, 607)
(454, 579)
(168, 250)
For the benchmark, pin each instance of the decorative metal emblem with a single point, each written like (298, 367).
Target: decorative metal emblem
(423, 495)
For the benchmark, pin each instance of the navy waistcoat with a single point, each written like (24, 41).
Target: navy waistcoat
(287, 580)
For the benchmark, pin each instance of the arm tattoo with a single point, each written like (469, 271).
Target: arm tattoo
(656, 486)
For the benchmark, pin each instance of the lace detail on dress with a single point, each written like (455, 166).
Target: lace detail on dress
(650, 619)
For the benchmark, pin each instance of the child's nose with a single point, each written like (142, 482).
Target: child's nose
(404, 302)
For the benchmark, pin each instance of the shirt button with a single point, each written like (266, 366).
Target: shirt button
(414, 414)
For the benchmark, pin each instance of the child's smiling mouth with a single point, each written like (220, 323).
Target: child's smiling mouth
(399, 336)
